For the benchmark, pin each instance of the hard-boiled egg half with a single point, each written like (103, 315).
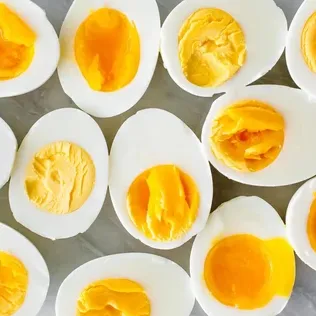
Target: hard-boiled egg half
(29, 47)
(242, 263)
(160, 180)
(126, 284)
(8, 153)
(300, 48)
(258, 134)
(109, 53)
(300, 222)
(215, 46)
(23, 273)
(60, 179)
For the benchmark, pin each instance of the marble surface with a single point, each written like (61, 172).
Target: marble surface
(106, 235)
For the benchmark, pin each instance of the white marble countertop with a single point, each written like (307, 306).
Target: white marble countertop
(106, 235)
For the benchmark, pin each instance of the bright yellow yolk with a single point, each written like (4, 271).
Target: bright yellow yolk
(248, 135)
(163, 202)
(13, 284)
(212, 47)
(311, 224)
(107, 50)
(17, 42)
(60, 178)
(113, 297)
(246, 272)
(308, 40)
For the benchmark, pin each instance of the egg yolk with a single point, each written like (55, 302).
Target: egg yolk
(246, 272)
(107, 50)
(163, 202)
(114, 297)
(248, 135)
(308, 40)
(13, 284)
(17, 42)
(311, 224)
(212, 47)
(60, 178)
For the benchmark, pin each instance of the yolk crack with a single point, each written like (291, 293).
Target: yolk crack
(308, 40)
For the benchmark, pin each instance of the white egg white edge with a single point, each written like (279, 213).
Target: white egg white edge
(14, 243)
(167, 285)
(9, 145)
(145, 15)
(160, 138)
(298, 69)
(265, 41)
(296, 222)
(60, 125)
(47, 50)
(241, 215)
(291, 166)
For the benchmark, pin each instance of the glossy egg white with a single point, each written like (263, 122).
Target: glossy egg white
(166, 284)
(242, 215)
(46, 54)
(145, 15)
(265, 28)
(155, 137)
(60, 125)
(17, 245)
(296, 161)
(9, 143)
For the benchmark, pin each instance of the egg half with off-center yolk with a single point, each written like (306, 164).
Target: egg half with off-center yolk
(130, 284)
(242, 262)
(109, 53)
(160, 180)
(60, 178)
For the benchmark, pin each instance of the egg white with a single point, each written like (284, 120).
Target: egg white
(155, 137)
(265, 28)
(46, 53)
(61, 125)
(296, 161)
(145, 15)
(242, 215)
(17, 245)
(166, 284)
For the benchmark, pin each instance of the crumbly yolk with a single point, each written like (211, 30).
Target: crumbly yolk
(13, 284)
(246, 272)
(163, 202)
(107, 50)
(17, 42)
(308, 40)
(60, 178)
(248, 135)
(212, 47)
(114, 297)
(311, 224)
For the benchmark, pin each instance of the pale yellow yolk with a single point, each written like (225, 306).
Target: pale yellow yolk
(308, 40)
(212, 47)
(107, 50)
(248, 135)
(13, 284)
(163, 202)
(246, 272)
(17, 42)
(311, 224)
(113, 297)
(60, 178)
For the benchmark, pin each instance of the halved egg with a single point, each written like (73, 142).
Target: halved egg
(160, 180)
(23, 273)
(242, 263)
(216, 46)
(9, 143)
(29, 47)
(256, 136)
(60, 179)
(109, 53)
(135, 284)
